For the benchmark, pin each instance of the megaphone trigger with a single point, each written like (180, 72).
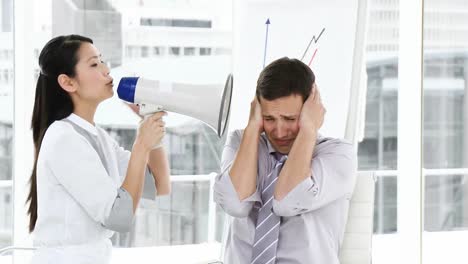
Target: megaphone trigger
(149, 109)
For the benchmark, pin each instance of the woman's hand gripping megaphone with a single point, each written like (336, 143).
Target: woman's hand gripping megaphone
(149, 113)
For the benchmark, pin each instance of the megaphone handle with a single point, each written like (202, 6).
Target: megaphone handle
(147, 110)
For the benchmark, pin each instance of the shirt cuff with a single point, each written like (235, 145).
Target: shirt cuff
(120, 218)
(226, 196)
(297, 200)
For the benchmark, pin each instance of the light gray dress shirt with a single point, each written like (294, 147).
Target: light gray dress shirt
(313, 214)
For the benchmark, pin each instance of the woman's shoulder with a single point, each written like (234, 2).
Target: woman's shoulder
(56, 140)
(59, 132)
(59, 128)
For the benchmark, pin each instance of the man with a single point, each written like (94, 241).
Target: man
(287, 187)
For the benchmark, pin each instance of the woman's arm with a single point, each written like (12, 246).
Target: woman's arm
(150, 133)
(134, 179)
(160, 168)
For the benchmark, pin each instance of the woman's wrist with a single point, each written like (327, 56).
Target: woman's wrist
(139, 146)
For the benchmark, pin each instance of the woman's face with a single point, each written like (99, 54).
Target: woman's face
(92, 79)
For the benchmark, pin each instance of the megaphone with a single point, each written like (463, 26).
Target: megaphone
(207, 103)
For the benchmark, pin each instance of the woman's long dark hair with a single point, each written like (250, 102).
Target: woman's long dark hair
(59, 56)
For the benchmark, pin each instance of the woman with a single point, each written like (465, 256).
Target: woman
(83, 185)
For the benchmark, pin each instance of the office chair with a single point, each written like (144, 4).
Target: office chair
(357, 241)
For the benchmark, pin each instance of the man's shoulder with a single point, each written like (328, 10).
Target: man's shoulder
(236, 133)
(235, 137)
(338, 145)
(341, 141)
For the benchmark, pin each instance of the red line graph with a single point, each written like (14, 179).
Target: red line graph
(313, 56)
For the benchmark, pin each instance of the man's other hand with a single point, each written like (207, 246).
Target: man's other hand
(313, 112)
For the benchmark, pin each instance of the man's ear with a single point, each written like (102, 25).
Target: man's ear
(66, 83)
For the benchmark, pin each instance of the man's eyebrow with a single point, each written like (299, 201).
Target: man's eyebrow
(289, 116)
(286, 116)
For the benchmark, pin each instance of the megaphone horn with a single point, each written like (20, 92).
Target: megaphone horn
(207, 103)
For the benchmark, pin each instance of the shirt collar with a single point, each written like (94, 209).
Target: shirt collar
(83, 123)
(271, 149)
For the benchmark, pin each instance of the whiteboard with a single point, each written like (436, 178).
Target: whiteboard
(331, 25)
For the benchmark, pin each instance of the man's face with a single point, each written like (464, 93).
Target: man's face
(281, 121)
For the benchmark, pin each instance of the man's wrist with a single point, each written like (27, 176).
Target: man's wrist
(251, 128)
(309, 131)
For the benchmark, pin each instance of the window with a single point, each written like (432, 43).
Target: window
(189, 51)
(378, 149)
(6, 123)
(144, 51)
(158, 51)
(174, 51)
(205, 51)
(187, 23)
(132, 51)
(445, 140)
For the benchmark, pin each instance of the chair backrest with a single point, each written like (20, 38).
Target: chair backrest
(357, 241)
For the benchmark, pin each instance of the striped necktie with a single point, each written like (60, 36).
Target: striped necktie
(268, 224)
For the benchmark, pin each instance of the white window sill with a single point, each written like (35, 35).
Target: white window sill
(183, 254)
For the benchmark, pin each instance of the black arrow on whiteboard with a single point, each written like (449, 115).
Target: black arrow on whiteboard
(315, 40)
